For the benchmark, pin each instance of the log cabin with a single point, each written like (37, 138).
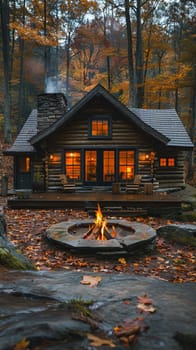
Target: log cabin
(99, 142)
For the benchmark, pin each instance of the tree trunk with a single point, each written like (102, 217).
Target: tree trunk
(68, 69)
(46, 49)
(139, 60)
(21, 78)
(4, 8)
(192, 157)
(131, 102)
(107, 44)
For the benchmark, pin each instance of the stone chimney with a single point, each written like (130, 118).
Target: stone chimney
(51, 107)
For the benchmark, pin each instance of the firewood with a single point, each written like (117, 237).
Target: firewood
(88, 232)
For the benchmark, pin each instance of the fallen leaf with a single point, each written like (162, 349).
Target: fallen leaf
(127, 330)
(22, 345)
(90, 280)
(122, 261)
(132, 338)
(130, 327)
(96, 341)
(145, 304)
(144, 300)
(146, 308)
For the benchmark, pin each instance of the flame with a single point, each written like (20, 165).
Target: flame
(99, 230)
(99, 217)
(101, 222)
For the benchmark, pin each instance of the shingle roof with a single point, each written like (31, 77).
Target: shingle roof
(164, 125)
(168, 123)
(22, 143)
(99, 91)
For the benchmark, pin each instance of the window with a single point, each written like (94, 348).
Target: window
(167, 162)
(73, 165)
(100, 127)
(126, 165)
(91, 166)
(24, 164)
(108, 166)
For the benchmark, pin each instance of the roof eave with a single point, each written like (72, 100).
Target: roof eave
(96, 91)
(10, 152)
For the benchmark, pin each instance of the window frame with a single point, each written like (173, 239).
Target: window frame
(167, 162)
(72, 150)
(100, 118)
(125, 164)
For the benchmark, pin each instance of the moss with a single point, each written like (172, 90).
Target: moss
(81, 306)
(11, 260)
(182, 239)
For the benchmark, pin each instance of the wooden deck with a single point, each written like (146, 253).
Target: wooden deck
(153, 204)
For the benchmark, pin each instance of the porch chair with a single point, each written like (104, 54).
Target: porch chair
(67, 186)
(135, 186)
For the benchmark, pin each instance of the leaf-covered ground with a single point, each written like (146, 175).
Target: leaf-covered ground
(26, 229)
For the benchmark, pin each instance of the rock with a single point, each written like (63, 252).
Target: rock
(187, 341)
(10, 257)
(183, 233)
(36, 306)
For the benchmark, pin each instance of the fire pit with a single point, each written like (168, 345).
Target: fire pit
(101, 235)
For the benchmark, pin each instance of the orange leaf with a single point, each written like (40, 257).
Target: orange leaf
(122, 261)
(96, 341)
(90, 280)
(145, 304)
(22, 345)
(146, 308)
(144, 300)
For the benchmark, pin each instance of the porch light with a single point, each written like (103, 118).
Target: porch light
(150, 156)
(51, 157)
(147, 156)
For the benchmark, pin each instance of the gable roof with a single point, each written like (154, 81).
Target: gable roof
(99, 91)
(168, 123)
(164, 125)
(22, 143)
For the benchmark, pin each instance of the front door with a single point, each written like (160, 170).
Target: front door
(99, 167)
(23, 173)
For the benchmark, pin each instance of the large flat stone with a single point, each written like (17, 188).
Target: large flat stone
(33, 306)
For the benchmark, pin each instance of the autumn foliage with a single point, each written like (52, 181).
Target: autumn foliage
(26, 229)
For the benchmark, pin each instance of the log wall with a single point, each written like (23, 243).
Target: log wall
(124, 134)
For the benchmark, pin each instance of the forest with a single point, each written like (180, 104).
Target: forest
(142, 51)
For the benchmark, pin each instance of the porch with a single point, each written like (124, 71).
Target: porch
(124, 204)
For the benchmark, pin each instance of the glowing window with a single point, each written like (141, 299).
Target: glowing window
(126, 165)
(167, 162)
(100, 127)
(163, 161)
(108, 166)
(91, 166)
(171, 162)
(24, 165)
(73, 165)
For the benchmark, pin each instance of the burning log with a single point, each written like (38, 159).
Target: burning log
(88, 233)
(95, 232)
(100, 231)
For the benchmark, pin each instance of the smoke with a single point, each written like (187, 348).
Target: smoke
(52, 85)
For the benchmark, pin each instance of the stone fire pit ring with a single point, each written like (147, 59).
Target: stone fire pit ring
(131, 236)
